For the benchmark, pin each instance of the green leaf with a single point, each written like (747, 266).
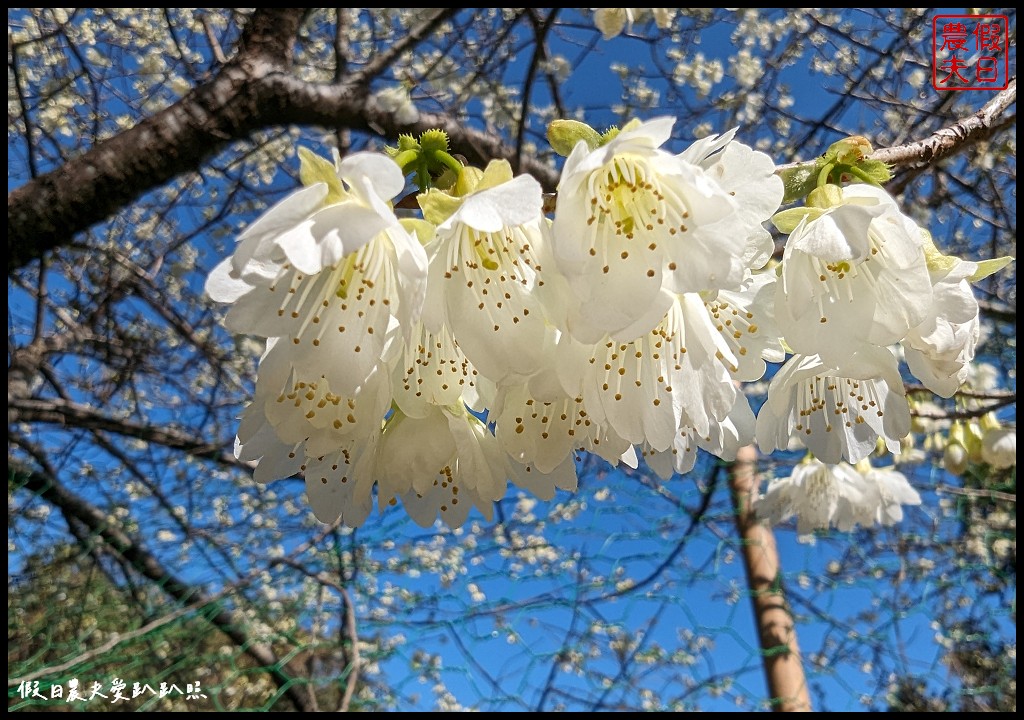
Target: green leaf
(876, 170)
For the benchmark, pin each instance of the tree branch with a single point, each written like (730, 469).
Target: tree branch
(918, 155)
(780, 653)
(948, 140)
(49, 210)
(325, 105)
(252, 92)
(76, 509)
(71, 414)
(408, 42)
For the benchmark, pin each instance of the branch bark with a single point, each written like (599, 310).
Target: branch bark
(921, 154)
(253, 91)
(776, 630)
(943, 142)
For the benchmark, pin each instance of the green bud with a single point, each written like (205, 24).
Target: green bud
(613, 132)
(955, 459)
(434, 141)
(564, 135)
(849, 151)
(405, 143)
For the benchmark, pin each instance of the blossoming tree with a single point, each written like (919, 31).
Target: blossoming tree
(449, 311)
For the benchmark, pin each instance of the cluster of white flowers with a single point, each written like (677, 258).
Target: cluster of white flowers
(612, 21)
(840, 495)
(625, 323)
(857, 277)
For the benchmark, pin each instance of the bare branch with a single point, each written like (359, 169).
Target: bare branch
(353, 639)
(409, 41)
(976, 492)
(949, 140)
(351, 631)
(49, 210)
(531, 73)
(253, 91)
(966, 413)
(918, 155)
(218, 51)
(232, 624)
(330, 106)
(71, 414)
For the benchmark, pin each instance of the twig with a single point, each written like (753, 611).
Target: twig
(531, 74)
(966, 413)
(414, 37)
(942, 143)
(976, 492)
(950, 139)
(218, 52)
(353, 638)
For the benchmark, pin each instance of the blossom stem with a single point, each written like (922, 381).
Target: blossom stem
(858, 173)
(823, 175)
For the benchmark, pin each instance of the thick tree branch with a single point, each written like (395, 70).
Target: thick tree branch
(76, 509)
(252, 92)
(918, 155)
(48, 211)
(776, 630)
(347, 106)
(270, 34)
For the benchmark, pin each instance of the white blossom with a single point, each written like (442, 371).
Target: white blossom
(837, 411)
(632, 219)
(818, 495)
(852, 275)
(999, 447)
(485, 266)
(939, 350)
(889, 492)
